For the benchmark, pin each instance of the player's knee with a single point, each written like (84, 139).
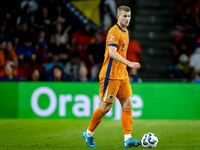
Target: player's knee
(128, 106)
(106, 107)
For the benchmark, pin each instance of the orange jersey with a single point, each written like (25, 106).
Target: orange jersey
(111, 68)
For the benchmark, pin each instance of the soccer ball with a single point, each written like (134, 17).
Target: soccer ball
(149, 140)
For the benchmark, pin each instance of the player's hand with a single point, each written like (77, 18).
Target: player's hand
(134, 65)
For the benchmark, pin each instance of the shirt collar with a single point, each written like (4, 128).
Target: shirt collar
(121, 28)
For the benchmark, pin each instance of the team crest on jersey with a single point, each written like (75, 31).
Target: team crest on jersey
(110, 97)
(112, 38)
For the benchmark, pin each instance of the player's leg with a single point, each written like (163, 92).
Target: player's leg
(125, 97)
(97, 117)
(127, 119)
(95, 121)
(127, 122)
(107, 95)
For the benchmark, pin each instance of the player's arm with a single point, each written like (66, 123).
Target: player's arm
(113, 54)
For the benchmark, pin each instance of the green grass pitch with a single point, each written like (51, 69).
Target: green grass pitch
(57, 134)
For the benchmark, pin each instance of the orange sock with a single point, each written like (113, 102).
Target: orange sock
(127, 121)
(96, 119)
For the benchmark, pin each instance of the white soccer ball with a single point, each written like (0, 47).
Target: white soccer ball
(149, 140)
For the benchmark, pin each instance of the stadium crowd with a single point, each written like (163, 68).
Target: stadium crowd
(185, 39)
(44, 41)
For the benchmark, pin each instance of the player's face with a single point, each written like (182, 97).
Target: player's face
(124, 18)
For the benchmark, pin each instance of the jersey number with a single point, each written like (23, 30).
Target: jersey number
(123, 47)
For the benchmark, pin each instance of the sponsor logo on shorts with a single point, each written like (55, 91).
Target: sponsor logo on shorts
(111, 97)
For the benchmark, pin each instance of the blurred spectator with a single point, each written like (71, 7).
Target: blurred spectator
(43, 19)
(112, 4)
(4, 32)
(24, 33)
(132, 73)
(185, 24)
(134, 52)
(41, 46)
(15, 40)
(197, 13)
(61, 15)
(186, 45)
(96, 51)
(26, 53)
(9, 75)
(81, 39)
(96, 56)
(55, 62)
(59, 29)
(195, 62)
(82, 75)
(57, 75)
(197, 44)
(31, 3)
(95, 70)
(182, 69)
(197, 80)
(186, 35)
(35, 76)
(8, 21)
(72, 67)
(38, 65)
(11, 58)
(11, 20)
(184, 20)
(24, 17)
(108, 18)
(2, 56)
(59, 49)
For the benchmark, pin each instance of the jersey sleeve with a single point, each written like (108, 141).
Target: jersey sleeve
(113, 38)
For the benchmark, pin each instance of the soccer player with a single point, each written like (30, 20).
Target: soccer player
(114, 80)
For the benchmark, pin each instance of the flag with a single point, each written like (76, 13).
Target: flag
(90, 8)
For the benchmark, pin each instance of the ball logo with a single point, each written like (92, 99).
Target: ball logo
(111, 97)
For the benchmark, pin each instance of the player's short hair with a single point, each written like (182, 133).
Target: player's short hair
(123, 8)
